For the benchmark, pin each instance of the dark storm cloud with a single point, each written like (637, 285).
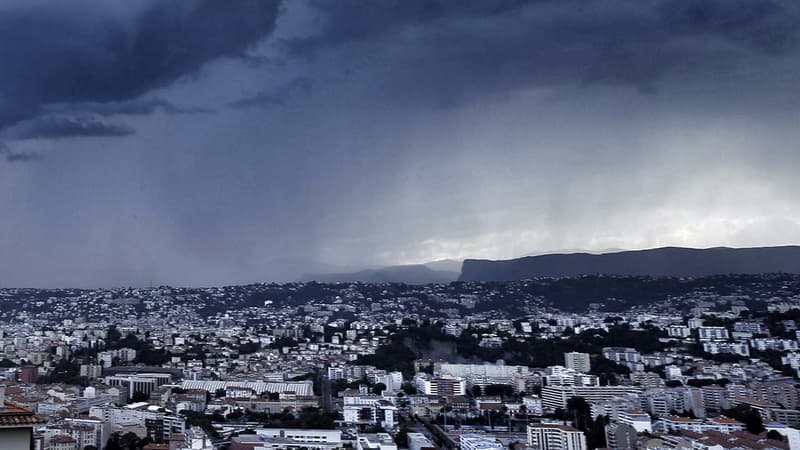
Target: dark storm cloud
(88, 52)
(53, 127)
(769, 25)
(125, 107)
(360, 20)
(544, 142)
(453, 51)
(276, 96)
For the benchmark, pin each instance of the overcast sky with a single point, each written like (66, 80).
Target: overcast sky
(208, 142)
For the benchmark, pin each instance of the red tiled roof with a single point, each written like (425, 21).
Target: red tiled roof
(156, 447)
(13, 415)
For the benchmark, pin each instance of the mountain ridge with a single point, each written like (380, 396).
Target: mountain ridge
(662, 261)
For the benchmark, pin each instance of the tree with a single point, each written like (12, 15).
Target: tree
(113, 442)
(580, 411)
(379, 388)
(501, 390)
(596, 434)
(5, 362)
(113, 335)
(774, 435)
(506, 416)
(127, 441)
(139, 396)
(402, 437)
(409, 389)
(749, 416)
(444, 410)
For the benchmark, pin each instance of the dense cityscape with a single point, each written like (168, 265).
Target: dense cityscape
(569, 363)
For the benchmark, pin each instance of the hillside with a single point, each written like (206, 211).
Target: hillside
(666, 261)
(409, 274)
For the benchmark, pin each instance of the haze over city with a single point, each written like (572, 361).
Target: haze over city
(205, 143)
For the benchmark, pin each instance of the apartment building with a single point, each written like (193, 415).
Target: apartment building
(555, 437)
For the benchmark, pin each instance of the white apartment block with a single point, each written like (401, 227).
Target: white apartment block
(735, 348)
(639, 420)
(721, 424)
(679, 331)
(555, 437)
(554, 397)
(713, 334)
(443, 386)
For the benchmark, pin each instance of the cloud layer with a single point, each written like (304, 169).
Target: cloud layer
(219, 142)
(88, 54)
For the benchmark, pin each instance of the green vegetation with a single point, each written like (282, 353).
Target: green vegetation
(306, 418)
(411, 343)
(197, 419)
(65, 371)
(5, 363)
(747, 415)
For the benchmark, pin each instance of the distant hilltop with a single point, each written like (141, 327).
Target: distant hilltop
(666, 261)
(444, 271)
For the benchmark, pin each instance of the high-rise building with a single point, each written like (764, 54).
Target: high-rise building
(782, 393)
(577, 361)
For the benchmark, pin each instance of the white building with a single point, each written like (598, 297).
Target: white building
(639, 420)
(555, 437)
(369, 409)
(277, 438)
(713, 333)
(144, 383)
(722, 424)
(378, 441)
(736, 348)
(533, 405)
(480, 442)
(679, 331)
(445, 385)
(554, 397)
(142, 419)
